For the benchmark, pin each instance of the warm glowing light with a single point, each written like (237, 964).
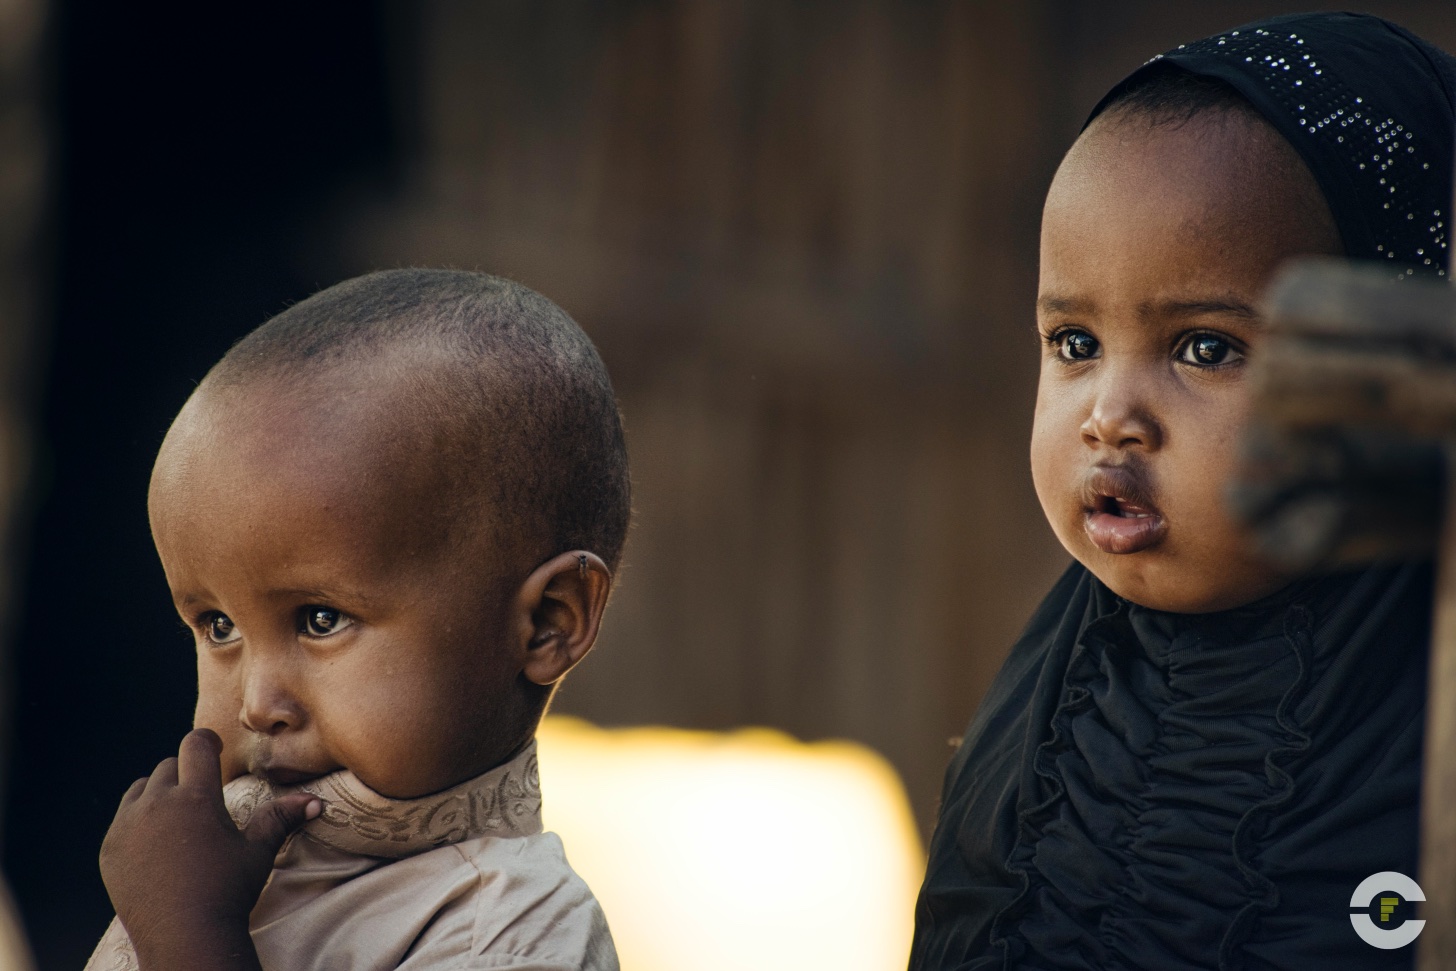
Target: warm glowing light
(734, 851)
(14, 955)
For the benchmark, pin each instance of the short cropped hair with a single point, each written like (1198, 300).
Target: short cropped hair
(1167, 94)
(543, 434)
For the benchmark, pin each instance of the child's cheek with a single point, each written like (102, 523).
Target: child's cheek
(218, 705)
(1054, 448)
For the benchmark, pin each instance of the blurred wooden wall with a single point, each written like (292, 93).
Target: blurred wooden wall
(24, 154)
(24, 151)
(804, 237)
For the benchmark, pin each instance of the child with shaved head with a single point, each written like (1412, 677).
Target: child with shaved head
(390, 517)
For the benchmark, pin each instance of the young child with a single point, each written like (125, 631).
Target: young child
(390, 517)
(1191, 759)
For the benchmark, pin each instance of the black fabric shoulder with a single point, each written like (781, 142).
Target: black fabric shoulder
(966, 883)
(1142, 789)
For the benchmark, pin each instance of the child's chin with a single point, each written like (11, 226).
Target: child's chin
(1163, 587)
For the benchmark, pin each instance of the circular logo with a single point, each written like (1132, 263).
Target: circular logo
(1391, 888)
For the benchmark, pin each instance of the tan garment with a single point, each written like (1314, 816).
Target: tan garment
(461, 879)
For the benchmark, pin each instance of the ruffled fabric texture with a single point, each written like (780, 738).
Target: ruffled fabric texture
(1149, 790)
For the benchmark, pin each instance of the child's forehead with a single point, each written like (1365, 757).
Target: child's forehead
(363, 442)
(335, 420)
(366, 405)
(1122, 148)
(329, 519)
(1221, 172)
(1175, 223)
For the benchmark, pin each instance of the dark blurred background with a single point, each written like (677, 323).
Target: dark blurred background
(802, 233)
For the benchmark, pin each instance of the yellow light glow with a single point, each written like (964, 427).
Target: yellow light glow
(732, 851)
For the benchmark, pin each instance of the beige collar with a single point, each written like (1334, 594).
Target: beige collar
(506, 801)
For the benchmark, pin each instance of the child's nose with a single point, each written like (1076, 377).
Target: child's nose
(1120, 418)
(269, 706)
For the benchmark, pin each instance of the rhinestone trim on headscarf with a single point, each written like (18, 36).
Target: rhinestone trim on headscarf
(1381, 149)
(1370, 107)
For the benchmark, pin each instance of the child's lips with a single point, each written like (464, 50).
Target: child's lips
(281, 776)
(1120, 514)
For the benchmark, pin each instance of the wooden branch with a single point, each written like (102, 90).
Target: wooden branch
(1309, 383)
(1320, 496)
(1353, 434)
(1354, 392)
(1438, 779)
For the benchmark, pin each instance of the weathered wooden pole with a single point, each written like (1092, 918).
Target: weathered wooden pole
(1438, 794)
(1351, 457)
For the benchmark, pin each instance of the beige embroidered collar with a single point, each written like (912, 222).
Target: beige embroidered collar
(506, 801)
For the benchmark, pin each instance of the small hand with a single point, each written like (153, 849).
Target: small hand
(182, 877)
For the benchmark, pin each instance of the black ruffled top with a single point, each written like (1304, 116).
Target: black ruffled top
(1143, 790)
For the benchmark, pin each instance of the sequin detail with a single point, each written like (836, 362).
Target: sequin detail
(1385, 157)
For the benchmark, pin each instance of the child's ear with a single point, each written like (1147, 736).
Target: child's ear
(558, 611)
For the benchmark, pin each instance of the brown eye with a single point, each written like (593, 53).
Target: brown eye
(1209, 350)
(323, 621)
(220, 629)
(1077, 345)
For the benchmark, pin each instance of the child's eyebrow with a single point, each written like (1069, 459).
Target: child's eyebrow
(326, 595)
(1166, 308)
(1064, 305)
(1194, 308)
(320, 594)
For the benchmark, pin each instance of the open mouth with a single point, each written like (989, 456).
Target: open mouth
(1121, 516)
(1123, 508)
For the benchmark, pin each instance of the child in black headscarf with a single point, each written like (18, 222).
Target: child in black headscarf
(1191, 759)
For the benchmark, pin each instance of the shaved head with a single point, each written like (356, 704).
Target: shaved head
(480, 385)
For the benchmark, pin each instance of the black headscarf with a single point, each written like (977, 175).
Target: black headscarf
(1142, 789)
(1368, 105)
